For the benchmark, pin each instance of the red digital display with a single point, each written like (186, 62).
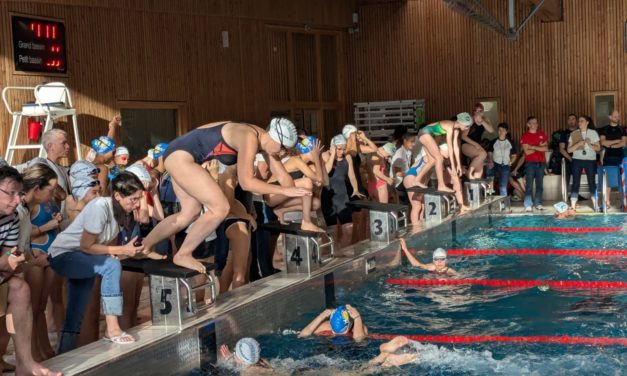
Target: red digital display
(39, 45)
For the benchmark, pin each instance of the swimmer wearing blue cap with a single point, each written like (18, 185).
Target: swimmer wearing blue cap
(344, 320)
(438, 266)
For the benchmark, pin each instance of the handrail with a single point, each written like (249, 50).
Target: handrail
(604, 188)
(6, 100)
(564, 182)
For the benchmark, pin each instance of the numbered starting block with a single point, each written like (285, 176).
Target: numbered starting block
(438, 205)
(174, 291)
(303, 251)
(476, 192)
(385, 219)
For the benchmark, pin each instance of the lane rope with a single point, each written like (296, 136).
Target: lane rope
(587, 285)
(546, 252)
(560, 229)
(561, 340)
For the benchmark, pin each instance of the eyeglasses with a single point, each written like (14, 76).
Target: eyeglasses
(13, 194)
(439, 259)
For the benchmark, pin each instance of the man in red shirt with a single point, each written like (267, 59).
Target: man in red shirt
(535, 144)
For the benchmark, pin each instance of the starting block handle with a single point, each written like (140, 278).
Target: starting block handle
(330, 243)
(190, 293)
(399, 218)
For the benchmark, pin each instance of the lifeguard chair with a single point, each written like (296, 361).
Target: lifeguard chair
(52, 101)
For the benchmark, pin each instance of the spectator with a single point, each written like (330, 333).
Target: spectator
(15, 305)
(499, 157)
(82, 252)
(120, 158)
(535, 144)
(101, 155)
(613, 139)
(584, 144)
(559, 145)
(401, 161)
(378, 179)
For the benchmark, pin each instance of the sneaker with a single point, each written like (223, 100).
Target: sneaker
(539, 207)
(528, 209)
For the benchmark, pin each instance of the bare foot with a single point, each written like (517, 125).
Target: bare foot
(188, 261)
(464, 209)
(445, 189)
(420, 185)
(153, 256)
(394, 360)
(35, 369)
(309, 226)
(280, 215)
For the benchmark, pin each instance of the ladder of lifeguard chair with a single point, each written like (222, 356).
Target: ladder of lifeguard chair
(15, 127)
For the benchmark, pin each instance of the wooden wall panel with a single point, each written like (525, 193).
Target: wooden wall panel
(422, 49)
(152, 51)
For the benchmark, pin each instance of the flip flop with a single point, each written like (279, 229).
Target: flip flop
(119, 339)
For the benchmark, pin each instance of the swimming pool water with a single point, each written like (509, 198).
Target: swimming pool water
(477, 310)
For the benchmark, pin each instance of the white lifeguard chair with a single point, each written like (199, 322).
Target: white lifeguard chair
(52, 101)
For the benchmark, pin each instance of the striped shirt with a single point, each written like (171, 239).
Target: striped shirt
(9, 230)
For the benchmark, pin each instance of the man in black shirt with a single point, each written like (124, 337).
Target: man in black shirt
(613, 140)
(559, 144)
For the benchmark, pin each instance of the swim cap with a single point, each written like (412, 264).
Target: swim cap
(82, 185)
(389, 148)
(36, 160)
(121, 150)
(81, 169)
(305, 145)
(103, 145)
(140, 171)
(159, 150)
(338, 140)
(439, 253)
(561, 207)
(464, 119)
(348, 130)
(151, 153)
(283, 131)
(115, 171)
(248, 350)
(340, 320)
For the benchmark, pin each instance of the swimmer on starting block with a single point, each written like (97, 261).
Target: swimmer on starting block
(344, 320)
(438, 266)
(562, 211)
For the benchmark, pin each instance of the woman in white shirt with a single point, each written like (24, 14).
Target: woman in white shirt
(584, 144)
(83, 251)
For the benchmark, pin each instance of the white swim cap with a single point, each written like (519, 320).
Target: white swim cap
(439, 253)
(464, 119)
(140, 171)
(561, 207)
(121, 150)
(348, 130)
(283, 131)
(338, 140)
(248, 350)
(389, 148)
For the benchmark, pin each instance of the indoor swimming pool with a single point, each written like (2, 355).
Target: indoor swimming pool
(476, 310)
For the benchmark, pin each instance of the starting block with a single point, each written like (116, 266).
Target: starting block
(438, 205)
(476, 192)
(385, 219)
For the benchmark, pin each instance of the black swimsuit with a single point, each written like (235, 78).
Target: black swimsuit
(205, 144)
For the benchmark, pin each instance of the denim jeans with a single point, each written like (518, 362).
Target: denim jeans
(578, 166)
(533, 171)
(81, 270)
(501, 172)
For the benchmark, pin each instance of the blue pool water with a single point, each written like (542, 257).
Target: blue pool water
(476, 310)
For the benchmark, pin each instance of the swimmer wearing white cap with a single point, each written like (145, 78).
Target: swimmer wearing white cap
(246, 357)
(563, 211)
(438, 266)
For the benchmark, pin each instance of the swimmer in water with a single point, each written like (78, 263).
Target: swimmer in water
(395, 353)
(562, 211)
(246, 357)
(438, 266)
(344, 320)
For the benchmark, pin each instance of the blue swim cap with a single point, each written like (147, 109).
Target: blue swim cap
(306, 144)
(159, 150)
(340, 320)
(102, 145)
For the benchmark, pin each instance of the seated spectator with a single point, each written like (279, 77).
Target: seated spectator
(85, 187)
(82, 252)
(40, 223)
(101, 155)
(344, 320)
(15, 304)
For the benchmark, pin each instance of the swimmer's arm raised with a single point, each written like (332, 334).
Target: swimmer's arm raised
(412, 260)
(315, 323)
(359, 329)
